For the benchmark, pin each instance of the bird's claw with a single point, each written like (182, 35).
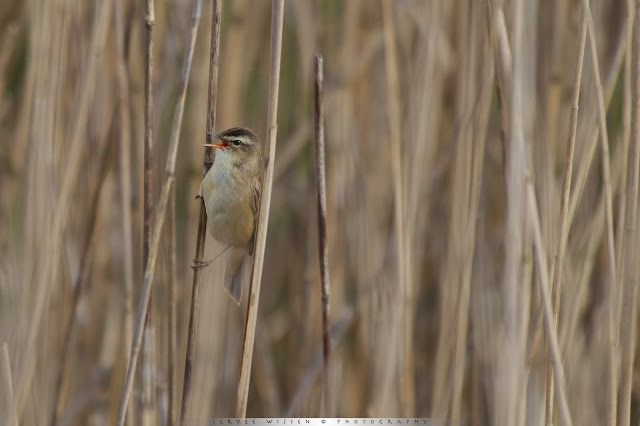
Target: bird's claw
(199, 196)
(199, 264)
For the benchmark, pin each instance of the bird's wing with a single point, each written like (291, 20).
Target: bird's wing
(255, 189)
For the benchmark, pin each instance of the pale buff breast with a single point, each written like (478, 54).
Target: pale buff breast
(228, 205)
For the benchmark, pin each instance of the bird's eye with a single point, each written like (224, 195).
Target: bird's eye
(236, 142)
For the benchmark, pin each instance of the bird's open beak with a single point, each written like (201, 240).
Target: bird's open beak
(223, 143)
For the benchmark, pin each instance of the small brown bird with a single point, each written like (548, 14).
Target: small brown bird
(230, 191)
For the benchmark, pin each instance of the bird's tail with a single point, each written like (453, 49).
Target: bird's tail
(233, 274)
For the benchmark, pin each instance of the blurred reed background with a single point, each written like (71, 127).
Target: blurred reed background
(441, 118)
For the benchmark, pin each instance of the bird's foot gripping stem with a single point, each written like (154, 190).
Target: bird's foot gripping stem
(200, 264)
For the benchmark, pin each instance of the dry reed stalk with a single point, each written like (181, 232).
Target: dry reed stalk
(603, 98)
(590, 238)
(610, 231)
(511, 370)
(194, 312)
(502, 59)
(579, 183)
(150, 22)
(160, 211)
(36, 125)
(147, 400)
(277, 12)
(470, 154)
(421, 163)
(144, 298)
(630, 271)
(594, 232)
(604, 138)
(564, 205)
(552, 66)
(172, 345)
(404, 295)
(543, 282)
(423, 101)
(451, 349)
(11, 416)
(585, 164)
(124, 175)
(626, 136)
(323, 251)
(47, 272)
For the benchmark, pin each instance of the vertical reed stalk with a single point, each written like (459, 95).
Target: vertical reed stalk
(160, 211)
(543, 282)
(626, 136)
(612, 286)
(171, 296)
(323, 251)
(515, 307)
(150, 21)
(564, 205)
(147, 400)
(144, 298)
(404, 295)
(202, 223)
(469, 158)
(630, 270)
(277, 13)
(124, 175)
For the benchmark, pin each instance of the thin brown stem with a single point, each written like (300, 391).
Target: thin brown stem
(144, 299)
(124, 175)
(160, 211)
(611, 288)
(564, 205)
(585, 164)
(543, 282)
(202, 222)
(515, 268)
(630, 270)
(604, 138)
(171, 295)
(277, 14)
(147, 399)
(148, 132)
(322, 233)
(403, 296)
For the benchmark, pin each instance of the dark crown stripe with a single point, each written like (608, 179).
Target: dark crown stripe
(239, 131)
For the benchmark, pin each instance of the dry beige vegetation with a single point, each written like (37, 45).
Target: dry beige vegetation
(451, 246)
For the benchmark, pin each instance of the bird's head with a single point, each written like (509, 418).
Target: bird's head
(239, 143)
